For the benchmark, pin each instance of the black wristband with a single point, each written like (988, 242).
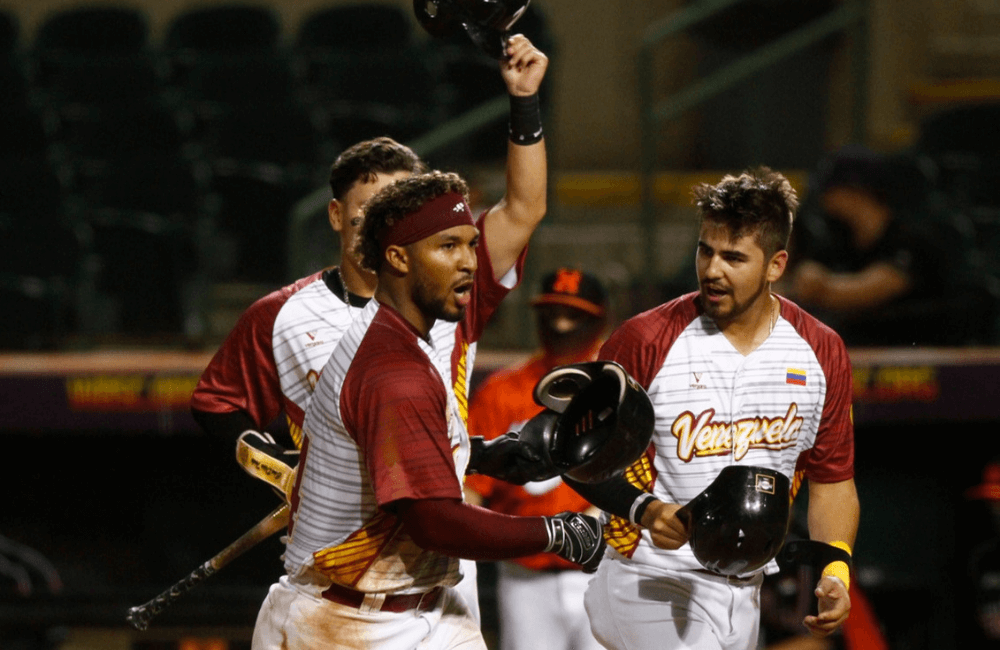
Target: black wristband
(639, 508)
(525, 120)
(476, 446)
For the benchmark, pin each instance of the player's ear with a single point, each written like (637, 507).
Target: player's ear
(776, 267)
(335, 213)
(398, 259)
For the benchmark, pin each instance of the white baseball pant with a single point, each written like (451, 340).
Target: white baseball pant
(632, 607)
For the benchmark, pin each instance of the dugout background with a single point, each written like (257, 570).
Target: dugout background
(126, 500)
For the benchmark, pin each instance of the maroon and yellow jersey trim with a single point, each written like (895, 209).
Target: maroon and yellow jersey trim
(620, 533)
(347, 562)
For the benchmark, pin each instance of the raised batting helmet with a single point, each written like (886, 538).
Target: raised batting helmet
(738, 523)
(487, 22)
(605, 420)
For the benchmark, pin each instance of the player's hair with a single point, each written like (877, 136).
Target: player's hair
(364, 160)
(396, 202)
(759, 202)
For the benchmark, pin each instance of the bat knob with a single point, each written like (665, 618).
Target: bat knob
(138, 618)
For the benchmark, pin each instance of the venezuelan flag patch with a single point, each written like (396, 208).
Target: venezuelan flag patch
(795, 376)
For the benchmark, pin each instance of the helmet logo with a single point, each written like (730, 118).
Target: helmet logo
(764, 483)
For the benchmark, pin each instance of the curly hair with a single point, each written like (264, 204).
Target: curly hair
(759, 201)
(397, 201)
(364, 160)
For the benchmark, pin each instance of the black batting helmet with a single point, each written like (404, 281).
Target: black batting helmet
(738, 523)
(605, 420)
(487, 22)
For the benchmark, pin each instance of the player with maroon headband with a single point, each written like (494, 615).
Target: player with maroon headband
(379, 520)
(739, 378)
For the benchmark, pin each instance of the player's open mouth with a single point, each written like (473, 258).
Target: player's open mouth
(714, 293)
(463, 292)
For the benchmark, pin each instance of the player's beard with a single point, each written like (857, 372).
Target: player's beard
(737, 308)
(439, 307)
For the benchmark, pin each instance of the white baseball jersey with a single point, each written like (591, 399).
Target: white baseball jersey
(271, 360)
(386, 424)
(785, 406)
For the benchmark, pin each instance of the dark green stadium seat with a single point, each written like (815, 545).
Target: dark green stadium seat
(92, 30)
(356, 26)
(234, 28)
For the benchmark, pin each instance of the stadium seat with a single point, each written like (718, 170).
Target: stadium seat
(26, 131)
(285, 135)
(964, 142)
(76, 81)
(250, 79)
(42, 248)
(160, 183)
(15, 88)
(357, 26)
(234, 28)
(253, 215)
(10, 34)
(114, 131)
(43, 311)
(32, 185)
(92, 30)
(144, 262)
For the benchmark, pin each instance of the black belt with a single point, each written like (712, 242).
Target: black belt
(392, 603)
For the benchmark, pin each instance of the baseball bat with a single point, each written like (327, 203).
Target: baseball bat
(140, 615)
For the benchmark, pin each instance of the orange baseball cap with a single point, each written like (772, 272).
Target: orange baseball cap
(989, 489)
(573, 288)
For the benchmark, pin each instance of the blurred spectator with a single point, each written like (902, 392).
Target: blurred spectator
(540, 598)
(879, 260)
(984, 563)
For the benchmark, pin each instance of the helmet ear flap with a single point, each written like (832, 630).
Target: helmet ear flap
(605, 421)
(557, 388)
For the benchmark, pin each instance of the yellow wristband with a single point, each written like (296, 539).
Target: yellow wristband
(839, 569)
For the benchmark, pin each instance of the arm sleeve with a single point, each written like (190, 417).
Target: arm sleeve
(457, 529)
(615, 496)
(226, 426)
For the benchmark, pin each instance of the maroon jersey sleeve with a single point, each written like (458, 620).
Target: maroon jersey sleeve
(488, 292)
(242, 375)
(831, 458)
(394, 404)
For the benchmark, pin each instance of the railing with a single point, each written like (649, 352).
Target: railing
(849, 16)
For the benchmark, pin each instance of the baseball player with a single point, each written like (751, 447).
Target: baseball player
(271, 361)
(540, 597)
(378, 520)
(737, 376)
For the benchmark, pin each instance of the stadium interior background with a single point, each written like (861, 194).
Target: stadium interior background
(156, 168)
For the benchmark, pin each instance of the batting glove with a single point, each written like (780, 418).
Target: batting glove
(261, 457)
(509, 459)
(576, 537)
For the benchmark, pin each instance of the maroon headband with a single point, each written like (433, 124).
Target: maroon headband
(446, 211)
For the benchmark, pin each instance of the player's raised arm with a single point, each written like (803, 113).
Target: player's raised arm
(509, 224)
